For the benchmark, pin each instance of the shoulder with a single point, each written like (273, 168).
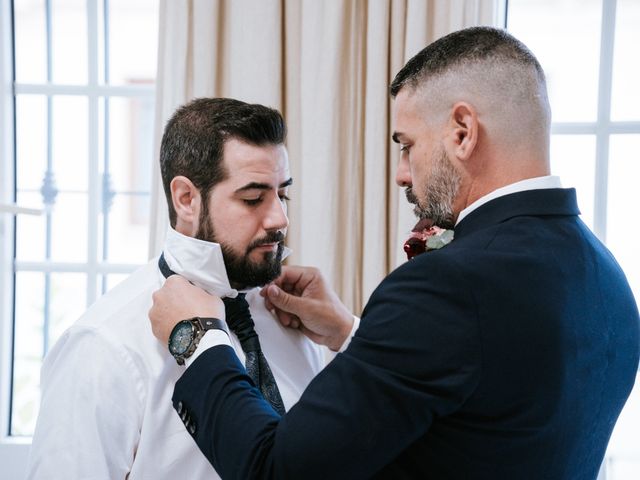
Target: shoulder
(120, 306)
(113, 338)
(120, 317)
(85, 356)
(423, 305)
(434, 275)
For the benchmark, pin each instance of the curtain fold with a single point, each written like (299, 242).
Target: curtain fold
(326, 66)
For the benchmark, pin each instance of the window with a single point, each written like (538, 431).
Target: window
(77, 146)
(587, 49)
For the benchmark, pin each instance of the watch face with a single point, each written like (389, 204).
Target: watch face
(181, 338)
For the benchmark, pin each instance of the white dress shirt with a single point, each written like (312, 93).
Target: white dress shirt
(106, 410)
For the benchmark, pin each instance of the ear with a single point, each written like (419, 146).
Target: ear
(186, 202)
(463, 130)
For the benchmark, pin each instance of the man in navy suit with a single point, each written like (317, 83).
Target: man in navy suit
(506, 354)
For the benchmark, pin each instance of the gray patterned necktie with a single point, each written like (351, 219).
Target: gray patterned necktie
(240, 322)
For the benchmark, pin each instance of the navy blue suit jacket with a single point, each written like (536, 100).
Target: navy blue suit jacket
(507, 354)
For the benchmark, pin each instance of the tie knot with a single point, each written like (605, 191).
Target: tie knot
(240, 322)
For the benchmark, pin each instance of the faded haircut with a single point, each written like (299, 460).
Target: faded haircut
(466, 47)
(488, 67)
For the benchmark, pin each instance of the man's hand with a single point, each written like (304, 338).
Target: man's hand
(302, 299)
(179, 300)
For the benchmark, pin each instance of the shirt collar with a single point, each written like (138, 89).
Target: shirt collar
(537, 183)
(200, 262)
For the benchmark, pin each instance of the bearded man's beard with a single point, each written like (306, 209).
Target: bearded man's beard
(439, 193)
(241, 270)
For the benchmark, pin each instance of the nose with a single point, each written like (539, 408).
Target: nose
(276, 217)
(403, 172)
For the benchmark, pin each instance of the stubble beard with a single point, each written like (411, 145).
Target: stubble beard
(439, 192)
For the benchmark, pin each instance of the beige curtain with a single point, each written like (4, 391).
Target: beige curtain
(326, 65)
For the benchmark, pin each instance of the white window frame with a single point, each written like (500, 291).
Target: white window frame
(14, 449)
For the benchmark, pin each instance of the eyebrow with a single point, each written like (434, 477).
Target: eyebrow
(263, 186)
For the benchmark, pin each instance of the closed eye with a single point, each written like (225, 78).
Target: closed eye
(252, 201)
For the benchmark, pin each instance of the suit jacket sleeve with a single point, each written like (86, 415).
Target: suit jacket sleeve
(416, 356)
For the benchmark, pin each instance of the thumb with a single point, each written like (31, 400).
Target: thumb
(284, 301)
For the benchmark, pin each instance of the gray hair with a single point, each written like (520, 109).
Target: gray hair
(488, 67)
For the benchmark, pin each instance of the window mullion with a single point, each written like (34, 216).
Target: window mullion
(7, 196)
(94, 169)
(604, 117)
(49, 191)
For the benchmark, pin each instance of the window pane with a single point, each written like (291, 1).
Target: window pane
(128, 229)
(129, 155)
(625, 101)
(565, 37)
(30, 230)
(31, 141)
(67, 222)
(132, 40)
(70, 142)
(30, 41)
(69, 228)
(130, 143)
(622, 233)
(573, 159)
(69, 41)
(29, 341)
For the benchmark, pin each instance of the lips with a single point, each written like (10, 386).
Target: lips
(267, 246)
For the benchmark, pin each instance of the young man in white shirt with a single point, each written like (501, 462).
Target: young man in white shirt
(106, 407)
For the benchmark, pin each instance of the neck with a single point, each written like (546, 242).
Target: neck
(496, 169)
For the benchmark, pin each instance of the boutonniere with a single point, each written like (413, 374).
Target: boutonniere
(425, 237)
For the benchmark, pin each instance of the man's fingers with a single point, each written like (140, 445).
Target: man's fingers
(283, 301)
(294, 278)
(287, 319)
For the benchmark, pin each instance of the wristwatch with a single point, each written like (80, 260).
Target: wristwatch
(186, 335)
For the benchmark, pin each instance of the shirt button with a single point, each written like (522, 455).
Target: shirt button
(192, 428)
(179, 408)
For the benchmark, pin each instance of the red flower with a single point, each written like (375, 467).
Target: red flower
(426, 236)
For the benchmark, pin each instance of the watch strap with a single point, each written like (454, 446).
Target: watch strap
(211, 323)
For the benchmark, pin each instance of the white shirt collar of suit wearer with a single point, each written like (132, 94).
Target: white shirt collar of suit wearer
(200, 262)
(537, 183)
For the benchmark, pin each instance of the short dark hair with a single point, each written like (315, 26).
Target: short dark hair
(193, 140)
(464, 46)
